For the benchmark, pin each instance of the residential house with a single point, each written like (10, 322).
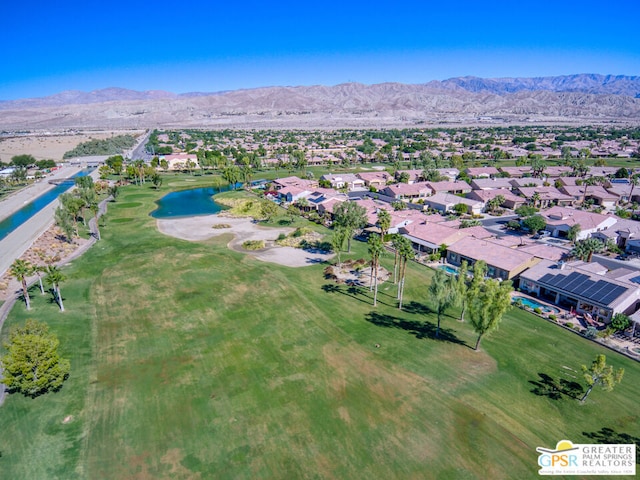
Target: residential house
(328, 206)
(560, 219)
(625, 193)
(323, 196)
(624, 233)
(491, 183)
(427, 237)
(455, 187)
(450, 173)
(502, 262)
(349, 181)
(595, 171)
(377, 180)
(546, 196)
(482, 172)
(178, 161)
(414, 175)
(511, 201)
(294, 181)
(292, 194)
(516, 172)
(526, 182)
(407, 192)
(554, 171)
(598, 194)
(445, 202)
(586, 287)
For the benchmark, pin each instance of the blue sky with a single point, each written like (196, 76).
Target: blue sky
(212, 46)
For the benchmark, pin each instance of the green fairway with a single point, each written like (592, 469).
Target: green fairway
(189, 360)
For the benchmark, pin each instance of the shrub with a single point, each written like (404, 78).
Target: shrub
(569, 325)
(253, 244)
(329, 273)
(537, 310)
(282, 236)
(552, 317)
(591, 332)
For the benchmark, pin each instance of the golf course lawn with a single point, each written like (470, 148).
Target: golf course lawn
(189, 360)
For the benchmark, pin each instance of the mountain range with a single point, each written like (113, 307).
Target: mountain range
(582, 98)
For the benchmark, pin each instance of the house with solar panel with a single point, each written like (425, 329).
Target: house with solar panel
(587, 287)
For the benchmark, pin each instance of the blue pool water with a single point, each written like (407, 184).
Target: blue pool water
(533, 304)
(448, 269)
(187, 203)
(13, 221)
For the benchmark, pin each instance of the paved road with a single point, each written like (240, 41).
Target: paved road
(139, 152)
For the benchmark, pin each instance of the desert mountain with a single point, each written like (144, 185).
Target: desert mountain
(581, 83)
(467, 100)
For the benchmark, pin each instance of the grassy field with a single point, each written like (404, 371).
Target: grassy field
(190, 360)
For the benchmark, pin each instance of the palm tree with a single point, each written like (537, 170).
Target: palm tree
(406, 253)
(584, 249)
(633, 180)
(535, 198)
(396, 242)
(37, 270)
(20, 270)
(384, 222)
(588, 182)
(55, 277)
(376, 250)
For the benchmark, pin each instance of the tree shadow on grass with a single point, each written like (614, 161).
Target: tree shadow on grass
(610, 436)
(351, 290)
(547, 386)
(419, 329)
(416, 308)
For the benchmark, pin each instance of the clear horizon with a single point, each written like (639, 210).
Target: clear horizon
(199, 47)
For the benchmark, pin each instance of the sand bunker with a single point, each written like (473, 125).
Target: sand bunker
(201, 228)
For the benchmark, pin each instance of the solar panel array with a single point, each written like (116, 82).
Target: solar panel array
(581, 285)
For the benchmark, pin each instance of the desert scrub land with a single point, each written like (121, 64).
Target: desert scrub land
(191, 360)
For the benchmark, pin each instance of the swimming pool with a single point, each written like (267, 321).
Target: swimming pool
(528, 302)
(448, 269)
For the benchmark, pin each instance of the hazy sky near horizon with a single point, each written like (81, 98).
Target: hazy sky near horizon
(212, 46)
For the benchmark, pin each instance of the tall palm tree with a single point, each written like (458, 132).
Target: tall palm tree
(406, 253)
(396, 242)
(55, 277)
(535, 198)
(376, 250)
(384, 222)
(38, 270)
(20, 270)
(634, 180)
(590, 182)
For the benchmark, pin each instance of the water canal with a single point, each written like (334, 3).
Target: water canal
(16, 219)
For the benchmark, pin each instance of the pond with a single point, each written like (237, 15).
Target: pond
(188, 203)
